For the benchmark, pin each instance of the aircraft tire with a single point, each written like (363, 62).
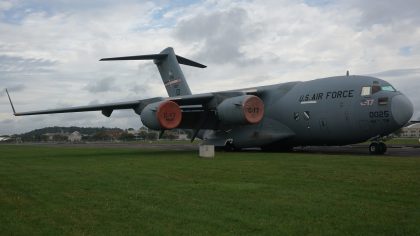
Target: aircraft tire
(382, 148)
(229, 147)
(377, 148)
(373, 148)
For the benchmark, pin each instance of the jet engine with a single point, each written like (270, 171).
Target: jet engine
(161, 115)
(246, 109)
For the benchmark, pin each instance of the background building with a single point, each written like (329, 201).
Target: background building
(412, 131)
(75, 137)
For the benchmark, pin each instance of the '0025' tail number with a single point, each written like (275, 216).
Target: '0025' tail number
(379, 114)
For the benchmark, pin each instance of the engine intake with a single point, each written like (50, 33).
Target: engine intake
(161, 115)
(246, 109)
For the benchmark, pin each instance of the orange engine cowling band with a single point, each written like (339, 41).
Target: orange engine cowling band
(161, 115)
(169, 115)
(253, 108)
(241, 110)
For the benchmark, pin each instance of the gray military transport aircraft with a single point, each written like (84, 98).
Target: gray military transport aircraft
(337, 110)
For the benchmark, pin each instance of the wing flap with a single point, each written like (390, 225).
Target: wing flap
(197, 99)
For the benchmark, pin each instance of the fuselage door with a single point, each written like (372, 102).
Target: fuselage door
(323, 124)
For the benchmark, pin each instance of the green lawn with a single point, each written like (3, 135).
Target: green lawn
(91, 191)
(403, 141)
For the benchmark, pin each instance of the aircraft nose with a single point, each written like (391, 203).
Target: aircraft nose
(402, 109)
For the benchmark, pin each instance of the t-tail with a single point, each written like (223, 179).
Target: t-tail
(170, 71)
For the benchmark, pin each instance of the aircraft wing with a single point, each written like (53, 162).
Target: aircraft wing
(99, 107)
(198, 111)
(137, 105)
(106, 108)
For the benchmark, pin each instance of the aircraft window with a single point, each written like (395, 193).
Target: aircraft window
(365, 91)
(388, 88)
(376, 88)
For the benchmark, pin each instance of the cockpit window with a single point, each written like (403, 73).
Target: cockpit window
(375, 87)
(366, 91)
(388, 88)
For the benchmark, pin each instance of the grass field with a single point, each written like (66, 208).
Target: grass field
(403, 141)
(90, 191)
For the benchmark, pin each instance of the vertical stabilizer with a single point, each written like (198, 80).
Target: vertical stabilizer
(170, 71)
(171, 74)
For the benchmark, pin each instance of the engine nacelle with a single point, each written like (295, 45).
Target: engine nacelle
(161, 115)
(246, 109)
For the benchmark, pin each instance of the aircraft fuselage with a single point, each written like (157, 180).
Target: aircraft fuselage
(329, 111)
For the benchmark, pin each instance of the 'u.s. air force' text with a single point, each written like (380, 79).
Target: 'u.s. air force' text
(327, 95)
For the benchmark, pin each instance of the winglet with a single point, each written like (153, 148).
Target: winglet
(11, 103)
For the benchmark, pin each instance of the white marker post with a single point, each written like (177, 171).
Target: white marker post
(206, 151)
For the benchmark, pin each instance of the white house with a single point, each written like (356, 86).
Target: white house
(75, 137)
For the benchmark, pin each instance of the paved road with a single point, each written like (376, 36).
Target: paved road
(398, 151)
(152, 145)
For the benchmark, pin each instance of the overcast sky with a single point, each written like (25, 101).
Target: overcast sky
(49, 50)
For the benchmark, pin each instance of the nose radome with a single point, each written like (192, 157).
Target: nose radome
(402, 109)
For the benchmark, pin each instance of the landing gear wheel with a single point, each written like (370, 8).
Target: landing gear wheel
(373, 147)
(382, 148)
(377, 148)
(229, 147)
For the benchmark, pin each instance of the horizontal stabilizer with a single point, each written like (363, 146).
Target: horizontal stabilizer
(141, 57)
(181, 60)
(188, 62)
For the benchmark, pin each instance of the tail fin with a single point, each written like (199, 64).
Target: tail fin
(169, 69)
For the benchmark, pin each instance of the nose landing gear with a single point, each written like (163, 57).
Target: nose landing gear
(377, 148)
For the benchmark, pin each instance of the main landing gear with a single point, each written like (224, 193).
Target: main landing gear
(377, 148)
(229, 147)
